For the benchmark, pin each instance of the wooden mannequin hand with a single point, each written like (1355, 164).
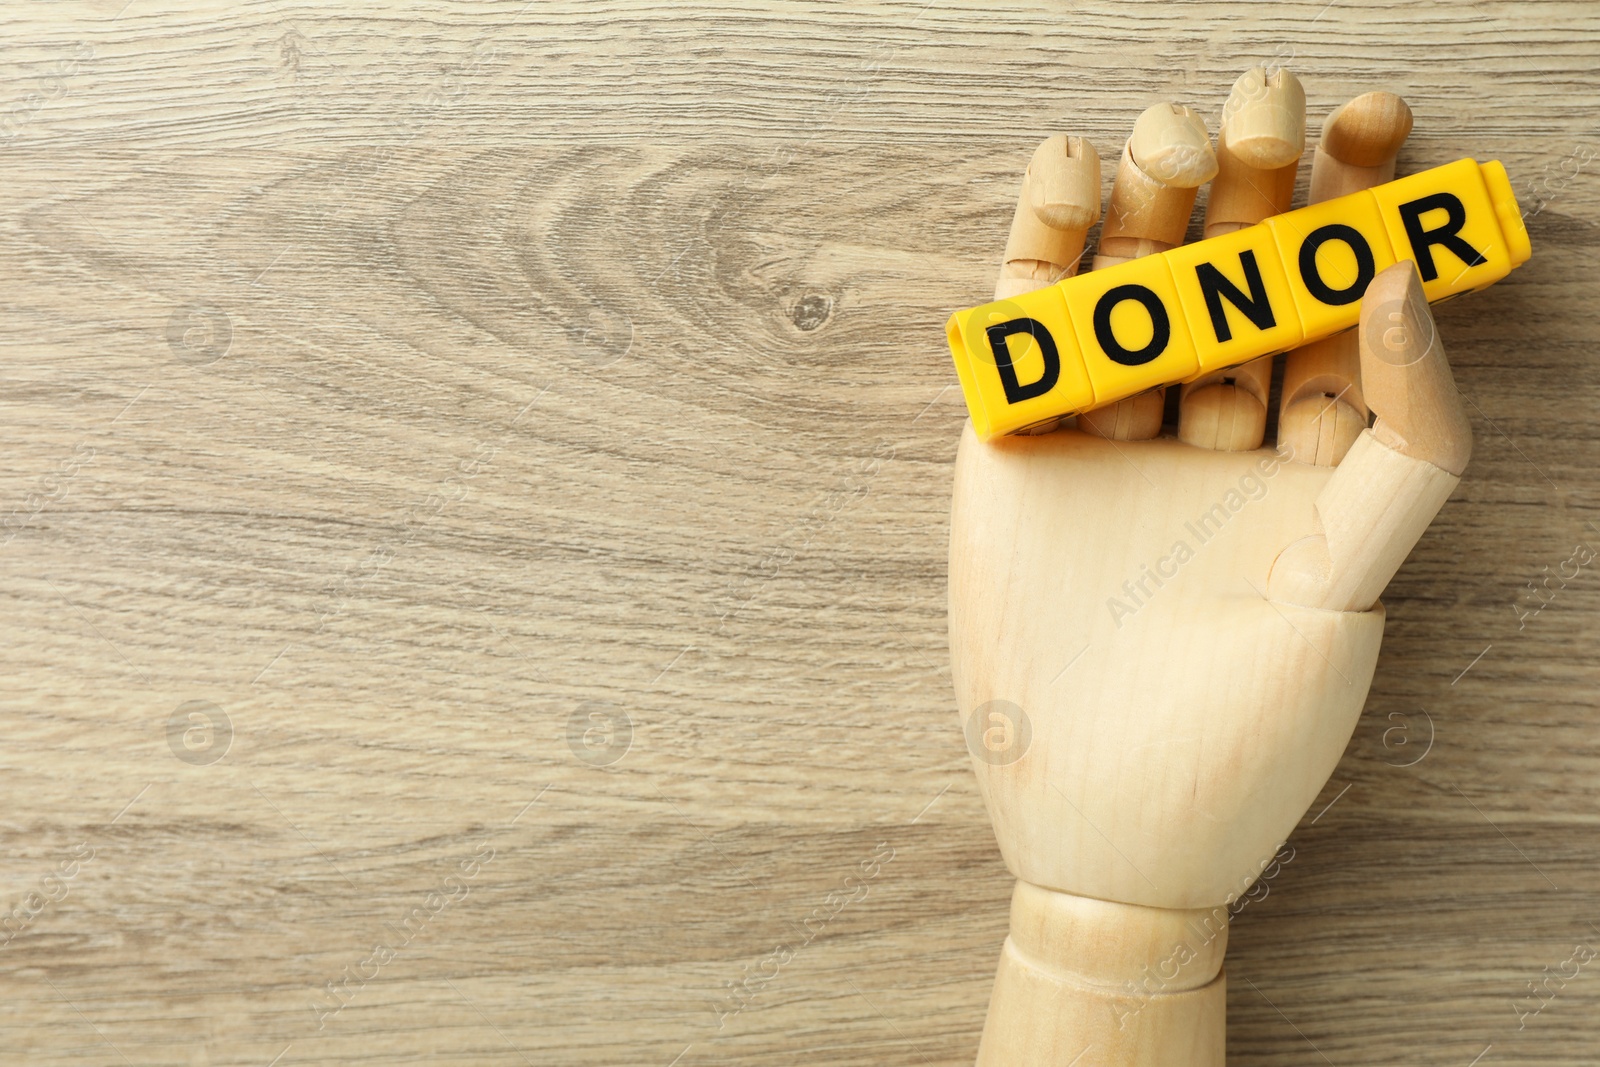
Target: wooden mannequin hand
(1161, 646)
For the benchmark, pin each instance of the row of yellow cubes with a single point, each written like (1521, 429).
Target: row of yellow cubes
(1089, 340)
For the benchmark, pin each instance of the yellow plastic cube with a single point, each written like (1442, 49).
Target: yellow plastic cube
(1236, 297)
(1131, 328)
(1509, 212)
(1018, 362)
(1331, 252)
(1445, 221)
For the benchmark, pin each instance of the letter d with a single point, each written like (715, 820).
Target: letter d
(1016, 392)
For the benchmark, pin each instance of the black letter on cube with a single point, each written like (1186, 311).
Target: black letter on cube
(1216, 287)
(1016, 393)
(1422, 241)
(1365, 267)
(1160, 325)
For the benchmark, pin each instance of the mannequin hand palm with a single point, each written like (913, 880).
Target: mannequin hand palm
(1165, 696)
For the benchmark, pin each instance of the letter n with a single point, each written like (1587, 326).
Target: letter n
(1216, 286)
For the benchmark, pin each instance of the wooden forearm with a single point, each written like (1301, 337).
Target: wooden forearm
(1084, 981)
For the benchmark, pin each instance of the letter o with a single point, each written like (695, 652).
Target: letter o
(1160, 325)
(1365, 267)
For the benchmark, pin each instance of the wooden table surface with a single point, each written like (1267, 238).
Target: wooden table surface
(476, 495)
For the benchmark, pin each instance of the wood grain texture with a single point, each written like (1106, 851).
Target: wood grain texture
(426, 388)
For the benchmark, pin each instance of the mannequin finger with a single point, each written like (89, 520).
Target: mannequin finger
(1409, 384)
(1322, 411)
(1138, 418)
(1059, 202)
(1166, 160)
(1359, 144)
(1259, 145)
(1399, 473)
